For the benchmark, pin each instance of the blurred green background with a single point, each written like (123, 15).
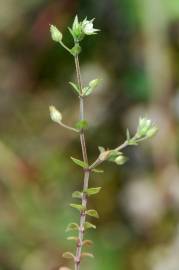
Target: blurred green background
(136, 55)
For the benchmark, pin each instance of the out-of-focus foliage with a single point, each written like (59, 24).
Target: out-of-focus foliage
(136, 55)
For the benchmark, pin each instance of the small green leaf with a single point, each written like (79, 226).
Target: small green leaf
(78, 206)
(92, 85)
(92, 213)
(82, 124)
(97, 171)
(86, 254)
(128, 135)
(68, 255)
(75, 87)
(80, 163)
(89, 225)
(92, 191)
(77, 194)
(72, 227)
(87, 243)
(72, 238)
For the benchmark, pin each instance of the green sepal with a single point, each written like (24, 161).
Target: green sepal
(80, 163)
(92, 213)
(68, 255)
(86, 254)
(89, 225)
(82, 124)
(75, 87)
(77, 194)
(113, 155)
(97, 171)
(72, 227)
(70, 30)
(79, 207)
(92, 191)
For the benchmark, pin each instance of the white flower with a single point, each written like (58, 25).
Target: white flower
(88, 27)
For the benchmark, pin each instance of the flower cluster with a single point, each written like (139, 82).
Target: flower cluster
(80, 29)
(145, 128)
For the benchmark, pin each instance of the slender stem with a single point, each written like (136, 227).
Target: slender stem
(68, 127)
(98, 161)
(65, 47)
(86, 172)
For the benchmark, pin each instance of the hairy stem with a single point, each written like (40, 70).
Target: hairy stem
(86, 172)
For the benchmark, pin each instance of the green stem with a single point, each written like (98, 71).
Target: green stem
(86, 172)
(68, 127)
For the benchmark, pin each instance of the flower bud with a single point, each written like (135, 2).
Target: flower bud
(55, 33)
(55, 115)
(145, 128)
(77, 30)
(120, 160)
(151, 132)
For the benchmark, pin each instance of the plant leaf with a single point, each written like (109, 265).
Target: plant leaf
(89, 225)
(86, 254)
(68, 255)
(80, 163)
(92, 85)
(92, 191)
(72, 238)
(75, 87)
(92, 213)
(72, 227)
(128, 135)
(97, 171)
(87, 243)
(77, 194)
(82, 124)
(78, 206)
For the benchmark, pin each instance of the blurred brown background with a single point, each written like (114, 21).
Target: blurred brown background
(136, 54)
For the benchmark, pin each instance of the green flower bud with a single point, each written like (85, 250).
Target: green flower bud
(145, 128)
(120, 160)
(151, 132)
(55, 34)
(77, 30)
(55, 115)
